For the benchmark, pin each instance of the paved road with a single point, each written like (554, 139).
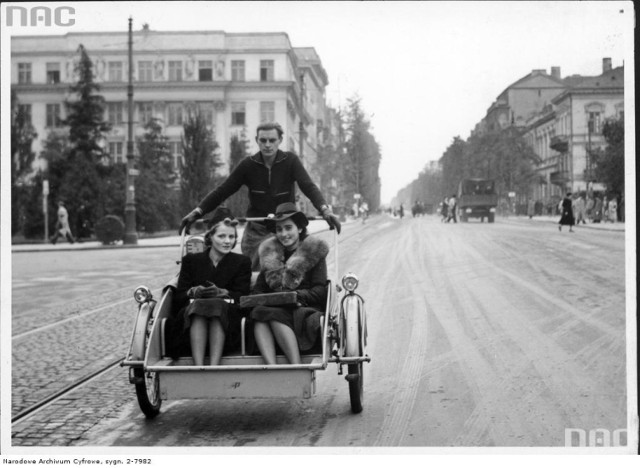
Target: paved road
(496, 334)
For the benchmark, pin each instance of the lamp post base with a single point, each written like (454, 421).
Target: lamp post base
(130, 234)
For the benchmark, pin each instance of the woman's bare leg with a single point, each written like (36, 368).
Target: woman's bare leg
(265, 341)
(216, 341)
(198, 334)
(286, 338)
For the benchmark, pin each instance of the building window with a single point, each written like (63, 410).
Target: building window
(237, 70)
(114, 113)
(175, 147)
(205, 70)
(594, 123)
(267, 111)
(207, 111)
(175, 114)
(24, 73)
(53, 72)
(53, 115)
(145, 112)
(175, 70)
(145, 70)
(116, 151)
(266, 70)
(115, 71)
(25, 111)
(238, 113)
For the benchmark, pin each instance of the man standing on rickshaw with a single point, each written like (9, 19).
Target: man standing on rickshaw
(270, 175)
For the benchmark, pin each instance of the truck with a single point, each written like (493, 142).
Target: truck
(477, 198)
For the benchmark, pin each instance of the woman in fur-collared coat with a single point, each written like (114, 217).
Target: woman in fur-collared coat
(291, 261)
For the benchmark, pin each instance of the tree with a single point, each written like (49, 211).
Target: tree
(609, 163)
(156, 200)
(362, 159)
(22, 136)
(453, 166)
(239, 201)
(86, 176)
(55, 151)
(198, 171)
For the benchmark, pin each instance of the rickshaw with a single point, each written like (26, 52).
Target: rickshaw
(240, 375)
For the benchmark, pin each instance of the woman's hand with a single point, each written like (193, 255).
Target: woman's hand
(207, 292)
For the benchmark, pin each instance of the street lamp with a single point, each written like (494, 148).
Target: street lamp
(43, 165)
(130, 234)
(589, 176)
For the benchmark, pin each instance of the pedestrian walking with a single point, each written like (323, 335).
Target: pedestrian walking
(580, 207)
(444, 210)
(270, 175)
(531, 205)
(567, 218)
(401, 211)
(589, 208)
(597, 210)
(613, 210)
(62, 225)
(364, 211)
(453, 204)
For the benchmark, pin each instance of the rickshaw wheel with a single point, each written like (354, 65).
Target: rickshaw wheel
(148, 384)
(356, 387)
(352, 349)
(148, 392)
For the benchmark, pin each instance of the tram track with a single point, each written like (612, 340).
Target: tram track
(78, 383)
(42, 380)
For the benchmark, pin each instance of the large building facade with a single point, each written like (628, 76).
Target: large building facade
(561, 119)
(569, 130)
(237, 80)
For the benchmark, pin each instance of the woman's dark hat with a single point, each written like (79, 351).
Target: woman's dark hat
(221, 214)
(286, 211)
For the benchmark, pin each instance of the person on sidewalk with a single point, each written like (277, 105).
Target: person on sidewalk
(579, 207)
(567, 218)
(270, 175)
(597, 210)
(62, 225)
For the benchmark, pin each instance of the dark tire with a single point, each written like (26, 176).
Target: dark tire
(352, 349)
(148, 384)
(356, 387)
(148, 392)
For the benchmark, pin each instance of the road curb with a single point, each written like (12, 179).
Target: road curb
(581, 226)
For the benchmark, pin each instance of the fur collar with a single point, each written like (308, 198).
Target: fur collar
(288, 275)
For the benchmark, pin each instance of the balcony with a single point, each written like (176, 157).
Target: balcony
(560, 143)
(559, 178)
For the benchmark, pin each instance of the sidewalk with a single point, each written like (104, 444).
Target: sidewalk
(620, 227)
(167, 241)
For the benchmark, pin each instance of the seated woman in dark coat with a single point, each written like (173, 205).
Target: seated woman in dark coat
(292, 261)
(206, 284)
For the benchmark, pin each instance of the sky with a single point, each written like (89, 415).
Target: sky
(425, 71)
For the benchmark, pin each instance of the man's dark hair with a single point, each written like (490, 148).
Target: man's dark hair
(270, 126)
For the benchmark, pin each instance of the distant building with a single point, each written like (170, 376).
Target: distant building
(237, 80)
(569, 127)
(521, 100)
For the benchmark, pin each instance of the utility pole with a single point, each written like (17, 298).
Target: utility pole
(130, 233)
